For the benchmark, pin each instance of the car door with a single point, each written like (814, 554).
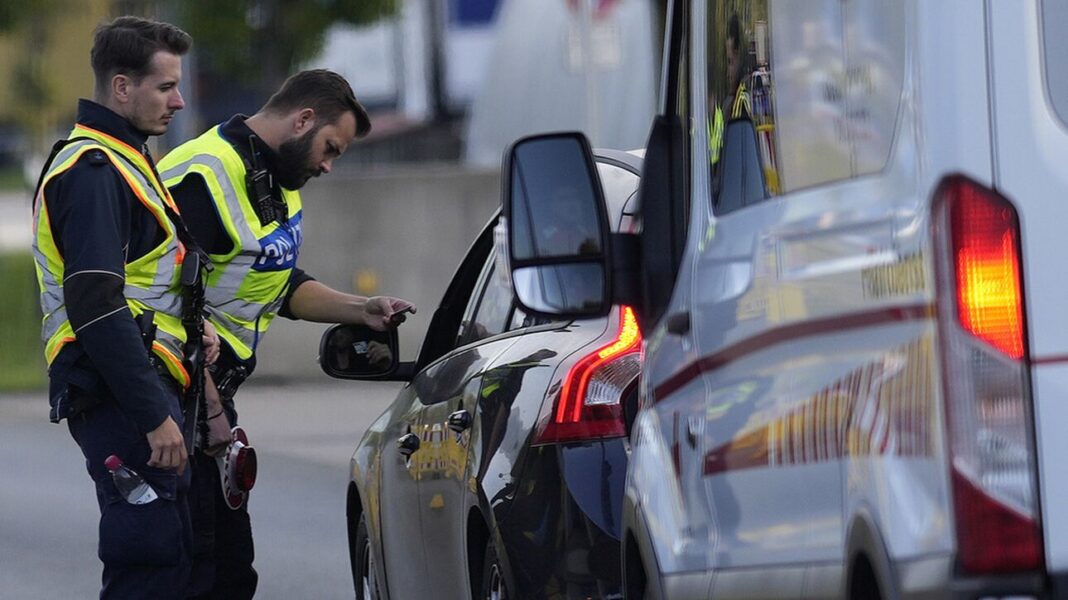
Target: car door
(398, 505)
(449, 390)
(442, 370)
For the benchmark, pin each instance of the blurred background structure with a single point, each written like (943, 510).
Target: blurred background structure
(449, 83)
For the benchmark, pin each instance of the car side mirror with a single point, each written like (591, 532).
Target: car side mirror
(558, 238)
(359, 352)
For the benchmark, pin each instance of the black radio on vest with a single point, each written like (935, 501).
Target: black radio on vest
(258, 182)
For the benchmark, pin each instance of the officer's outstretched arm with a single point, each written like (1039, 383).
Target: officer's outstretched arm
(314, 301)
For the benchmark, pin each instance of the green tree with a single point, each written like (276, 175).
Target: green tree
(39, 91)
(260, 42)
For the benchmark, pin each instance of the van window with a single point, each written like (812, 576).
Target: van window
(1055, 59)
(875, 74)
(821, 83)
(779, 66)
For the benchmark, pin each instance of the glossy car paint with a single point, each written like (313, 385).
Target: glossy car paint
(553, 511)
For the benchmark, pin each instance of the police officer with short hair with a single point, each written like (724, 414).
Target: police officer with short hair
(237, 187)
(107, 249)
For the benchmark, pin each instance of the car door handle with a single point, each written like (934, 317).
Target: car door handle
(678, 323)
(407, 444)
(459, 421)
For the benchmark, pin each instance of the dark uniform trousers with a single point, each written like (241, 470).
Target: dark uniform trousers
(222, 539)
(146, 549)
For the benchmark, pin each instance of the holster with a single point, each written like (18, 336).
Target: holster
(227, 380)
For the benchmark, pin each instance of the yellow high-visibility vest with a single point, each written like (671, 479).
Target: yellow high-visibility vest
(245, 291)
(152, 282)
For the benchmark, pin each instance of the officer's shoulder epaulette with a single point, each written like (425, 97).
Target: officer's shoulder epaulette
(96, 157)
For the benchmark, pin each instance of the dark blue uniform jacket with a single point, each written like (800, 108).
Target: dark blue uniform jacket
(99, 225)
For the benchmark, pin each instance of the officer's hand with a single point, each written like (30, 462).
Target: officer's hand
(378, 355)
(384, 312)
(168, 447)
(211, 343)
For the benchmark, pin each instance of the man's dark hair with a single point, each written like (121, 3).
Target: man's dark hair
(734, 32)
(127, 44)
(323, 91)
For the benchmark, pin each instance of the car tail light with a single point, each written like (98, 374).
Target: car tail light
(588, 404)
(988, 399)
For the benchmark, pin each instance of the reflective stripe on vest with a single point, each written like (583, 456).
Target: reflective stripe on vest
(151, 282)
(715, 136)
(246, 289)
(741, 106)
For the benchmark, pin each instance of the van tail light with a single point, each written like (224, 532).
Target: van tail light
(987, 391)
(589, 402)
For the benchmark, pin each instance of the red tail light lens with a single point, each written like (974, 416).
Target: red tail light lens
(986, 250)
(988, 399)
(993, 537)
(588, 405)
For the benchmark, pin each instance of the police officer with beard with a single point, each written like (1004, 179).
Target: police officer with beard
(236, 186)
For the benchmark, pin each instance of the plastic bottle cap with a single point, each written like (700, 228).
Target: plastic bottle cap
(113, 462)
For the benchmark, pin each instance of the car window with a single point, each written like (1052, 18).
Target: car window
(1055, 54)
(521, 319)
(446, 324)
(619, 185)
(491, 305)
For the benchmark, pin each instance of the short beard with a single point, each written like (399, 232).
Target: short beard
(294, 155)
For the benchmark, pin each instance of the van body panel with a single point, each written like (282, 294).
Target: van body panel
(653, 488)
(1032, 172)
(948, 63)
(1032, 154)
(1049, 384)
(808, 386)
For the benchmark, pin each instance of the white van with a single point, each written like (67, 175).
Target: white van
(850, 280)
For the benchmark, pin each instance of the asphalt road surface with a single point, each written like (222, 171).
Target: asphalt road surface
(304, 435)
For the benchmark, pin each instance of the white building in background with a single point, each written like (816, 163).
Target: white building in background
(513, 67)
(391, 63)
(557, 65)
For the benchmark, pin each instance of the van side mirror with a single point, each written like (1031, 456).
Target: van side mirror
(557, 227)
(359, 352)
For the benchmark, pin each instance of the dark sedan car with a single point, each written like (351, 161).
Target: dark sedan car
(498, 471)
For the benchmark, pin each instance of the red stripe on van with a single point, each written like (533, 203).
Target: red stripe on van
(883, 408)
(787, 333)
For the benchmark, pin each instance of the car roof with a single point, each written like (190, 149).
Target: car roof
(618, 203)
